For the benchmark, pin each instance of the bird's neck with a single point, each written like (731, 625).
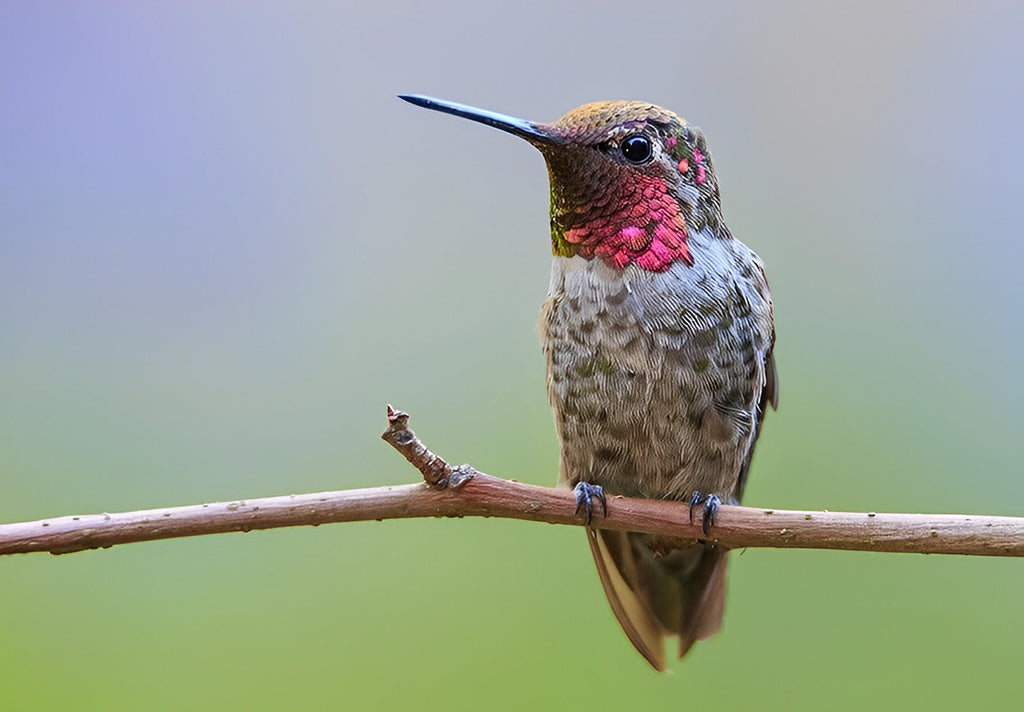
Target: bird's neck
(638, 222)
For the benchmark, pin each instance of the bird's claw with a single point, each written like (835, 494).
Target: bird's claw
(585, 493)
(711, 504)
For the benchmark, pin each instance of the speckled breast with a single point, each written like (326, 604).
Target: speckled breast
(654, 378)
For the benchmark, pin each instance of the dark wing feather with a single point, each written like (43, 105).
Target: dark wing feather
(769, 396)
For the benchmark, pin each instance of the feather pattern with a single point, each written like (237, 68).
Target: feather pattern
(658, 381)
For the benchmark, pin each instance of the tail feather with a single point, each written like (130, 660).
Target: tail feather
(680, 594)
(637, 621)
(707, 605)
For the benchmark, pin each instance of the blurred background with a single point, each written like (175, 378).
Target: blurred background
(225, 245)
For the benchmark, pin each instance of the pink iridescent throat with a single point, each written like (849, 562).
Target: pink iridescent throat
(645, 228)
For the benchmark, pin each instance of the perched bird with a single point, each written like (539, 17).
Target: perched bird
(658, 335)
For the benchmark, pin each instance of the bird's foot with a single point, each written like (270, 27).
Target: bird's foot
(585, 494)
(711, 504)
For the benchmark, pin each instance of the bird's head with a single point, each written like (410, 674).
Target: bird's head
(629, 180)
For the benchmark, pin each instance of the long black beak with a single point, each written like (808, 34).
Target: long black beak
(534, 133)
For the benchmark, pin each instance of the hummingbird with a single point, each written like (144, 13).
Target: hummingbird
(658, 334)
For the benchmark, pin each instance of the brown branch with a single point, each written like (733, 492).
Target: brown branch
(463, 492)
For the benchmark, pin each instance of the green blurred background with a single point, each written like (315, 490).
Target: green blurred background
(225, 245)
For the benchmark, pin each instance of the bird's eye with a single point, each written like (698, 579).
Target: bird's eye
(636, 149)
